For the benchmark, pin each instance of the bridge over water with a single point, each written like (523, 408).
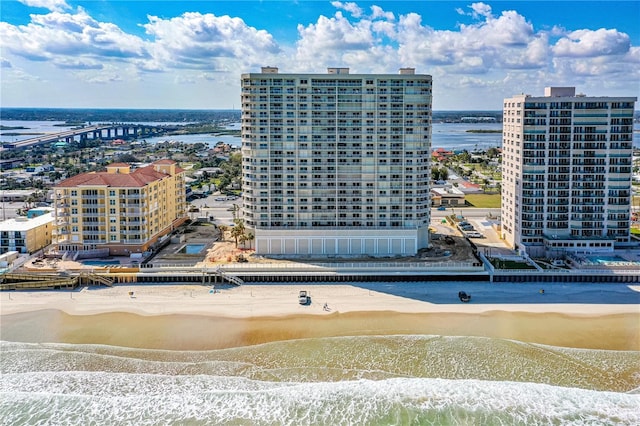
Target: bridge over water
(98, 131)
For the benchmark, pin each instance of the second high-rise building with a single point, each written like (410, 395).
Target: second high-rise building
(336, 164)
(566, 172)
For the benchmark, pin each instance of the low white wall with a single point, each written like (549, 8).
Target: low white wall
(331, 242)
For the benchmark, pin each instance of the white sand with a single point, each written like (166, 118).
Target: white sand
(261, 301)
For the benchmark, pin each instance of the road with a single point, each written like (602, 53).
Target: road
(467, 212)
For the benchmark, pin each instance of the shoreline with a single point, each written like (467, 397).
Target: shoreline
(192, 317)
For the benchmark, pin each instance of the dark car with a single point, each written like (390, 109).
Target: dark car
(464, 297)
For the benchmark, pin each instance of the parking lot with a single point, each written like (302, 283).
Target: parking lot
(216, 206)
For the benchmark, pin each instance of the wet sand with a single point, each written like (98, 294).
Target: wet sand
(203, 332)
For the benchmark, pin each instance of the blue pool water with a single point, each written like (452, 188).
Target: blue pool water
(606, 260)
(192, 248)
(101, 262)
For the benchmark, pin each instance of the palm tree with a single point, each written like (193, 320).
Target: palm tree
(237, 230)
(223, 229)
(250, 237)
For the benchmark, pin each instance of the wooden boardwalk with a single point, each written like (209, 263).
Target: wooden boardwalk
(22, 281)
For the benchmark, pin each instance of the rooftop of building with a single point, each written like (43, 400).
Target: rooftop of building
(569, 92)
(339, 72)
(125, 178)
(20, 224)
(443, 191)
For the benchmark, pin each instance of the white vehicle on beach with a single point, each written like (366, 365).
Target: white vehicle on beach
(303, 297)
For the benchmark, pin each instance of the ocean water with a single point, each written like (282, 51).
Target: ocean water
(365, 380)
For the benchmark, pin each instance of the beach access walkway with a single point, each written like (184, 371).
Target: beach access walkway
(25, 281)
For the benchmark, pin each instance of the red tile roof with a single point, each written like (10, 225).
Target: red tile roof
(136, 179)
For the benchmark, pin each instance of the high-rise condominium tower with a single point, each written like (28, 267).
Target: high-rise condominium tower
(336, 164)
(566, 172)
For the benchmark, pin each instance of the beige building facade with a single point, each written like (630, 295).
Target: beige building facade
(26, 235)
(122, 209)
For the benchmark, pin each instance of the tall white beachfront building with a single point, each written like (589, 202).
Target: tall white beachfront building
(336, 164)
(566, 172)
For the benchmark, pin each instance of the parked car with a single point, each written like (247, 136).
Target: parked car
(442, 208)
(467, 227)
(303, 297)
(464, 297)
(474, 234)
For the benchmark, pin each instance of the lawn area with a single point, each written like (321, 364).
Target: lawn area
(487, 201)
(510, 264)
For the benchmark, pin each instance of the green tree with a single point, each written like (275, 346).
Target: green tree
(231, 171)
(464, 157)
(238, 230)
(493, 152)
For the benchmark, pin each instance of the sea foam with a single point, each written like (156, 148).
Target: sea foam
(108, 398)
(346, 380)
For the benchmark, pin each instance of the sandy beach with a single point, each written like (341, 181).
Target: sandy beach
(197, 317)
(262, 301)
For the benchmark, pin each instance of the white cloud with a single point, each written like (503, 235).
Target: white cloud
(378, 12)
(487, 46)
(481, 10)
(5, 63)
(195, 40)
(350, 7)
(53, 5)
(384, 28)
(588, 43)
(633, 56)
(104, 78)
(329, 38)
(59, 35)
(78, 64)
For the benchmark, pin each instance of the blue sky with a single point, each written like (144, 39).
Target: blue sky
(190, 54)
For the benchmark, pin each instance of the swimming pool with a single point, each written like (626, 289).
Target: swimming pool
(100, 262)
(609, 260)
(192, 248)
